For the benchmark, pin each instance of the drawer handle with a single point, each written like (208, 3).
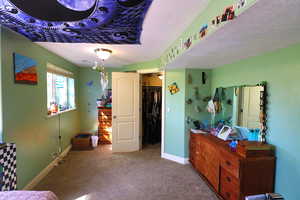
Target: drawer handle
(228, 163)
(228, 179)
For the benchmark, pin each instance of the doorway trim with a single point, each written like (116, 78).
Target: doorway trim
(151, 71)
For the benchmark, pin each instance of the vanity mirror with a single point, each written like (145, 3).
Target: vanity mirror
(243, 107)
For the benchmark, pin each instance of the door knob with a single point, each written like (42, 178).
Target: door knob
(115, 117)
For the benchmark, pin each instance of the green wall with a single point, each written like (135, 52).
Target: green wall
(281, 70)
(190, 109)
(88, 96)
(25, 119)
(175, 141)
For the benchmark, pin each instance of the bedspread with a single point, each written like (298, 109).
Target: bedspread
(28, 195)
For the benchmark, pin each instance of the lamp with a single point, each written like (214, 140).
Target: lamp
(103, 54)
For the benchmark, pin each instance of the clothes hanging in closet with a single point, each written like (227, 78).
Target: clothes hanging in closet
(152, 99)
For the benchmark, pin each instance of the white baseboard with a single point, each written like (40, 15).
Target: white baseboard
(46, 170)
(181, 160)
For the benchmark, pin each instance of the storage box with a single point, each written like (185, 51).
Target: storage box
(82, 141)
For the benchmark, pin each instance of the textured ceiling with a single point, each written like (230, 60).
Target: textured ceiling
(73, 21)
(267, 26)
(164, 23)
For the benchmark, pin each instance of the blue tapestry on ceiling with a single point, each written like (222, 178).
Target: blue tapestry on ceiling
(76, 21)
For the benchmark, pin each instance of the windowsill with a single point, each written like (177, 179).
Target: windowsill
(62, 112)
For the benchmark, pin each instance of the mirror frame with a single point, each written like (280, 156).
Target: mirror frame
(263, 111)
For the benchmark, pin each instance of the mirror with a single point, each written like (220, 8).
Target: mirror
(242, 107)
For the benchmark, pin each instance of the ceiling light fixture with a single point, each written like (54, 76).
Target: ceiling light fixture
(103, 54)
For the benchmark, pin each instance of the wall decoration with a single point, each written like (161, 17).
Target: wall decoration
(190, 79)
(241, 3)
(203, 30)
(196, 93)
(228, 14)
(189, 101)
(198, 109)
(90, 83)
(204, 78)
(173, 88)
(70, 21)
(188, 43)
(25, 70)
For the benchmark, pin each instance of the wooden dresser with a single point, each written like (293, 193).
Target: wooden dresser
(233, 175)
(105, 125)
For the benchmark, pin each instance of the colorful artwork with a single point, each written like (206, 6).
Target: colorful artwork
(188, 43)
(173, 88)
(203, 30)
(74, 21)
(90, 83)
(228, 14)
(241, 3)
(25, 70)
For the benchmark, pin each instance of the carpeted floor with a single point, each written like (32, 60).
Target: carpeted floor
(101, 175)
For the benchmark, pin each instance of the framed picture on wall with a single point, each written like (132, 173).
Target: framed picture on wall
(25, 70)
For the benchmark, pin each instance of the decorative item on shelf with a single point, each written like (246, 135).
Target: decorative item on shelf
(198, 109)
(229, 101)
(204, 78)
(206, 99)
(25, 70)
(241, 3)
(102, 54)
(233, 145)
(216, 21)
(173, 88)
(224, 132)
(228, 14)
(196, 93)
(203, 30)
(188, 43)
(189, 101)
(190, 79)
(188, 120)
(217, 101)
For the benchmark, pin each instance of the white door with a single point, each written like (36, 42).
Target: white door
(251, 107)
(126, 112)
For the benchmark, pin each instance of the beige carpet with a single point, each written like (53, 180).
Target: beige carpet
(101, 175)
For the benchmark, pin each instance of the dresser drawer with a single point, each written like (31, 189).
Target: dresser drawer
(105, 124)
(230, 163)
(104, 112)
(228, 193)
(227, 179)
(104, 118)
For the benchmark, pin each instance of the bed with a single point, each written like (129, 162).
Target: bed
(28, 195)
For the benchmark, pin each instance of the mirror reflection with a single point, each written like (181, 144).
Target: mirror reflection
(239, 108)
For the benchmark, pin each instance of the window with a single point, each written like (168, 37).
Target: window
(60, 92)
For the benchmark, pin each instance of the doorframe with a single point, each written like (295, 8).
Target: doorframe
(151, 71)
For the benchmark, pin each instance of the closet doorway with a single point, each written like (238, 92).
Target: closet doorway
(152, 98)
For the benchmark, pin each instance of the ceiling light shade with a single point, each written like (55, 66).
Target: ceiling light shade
(103, 54)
